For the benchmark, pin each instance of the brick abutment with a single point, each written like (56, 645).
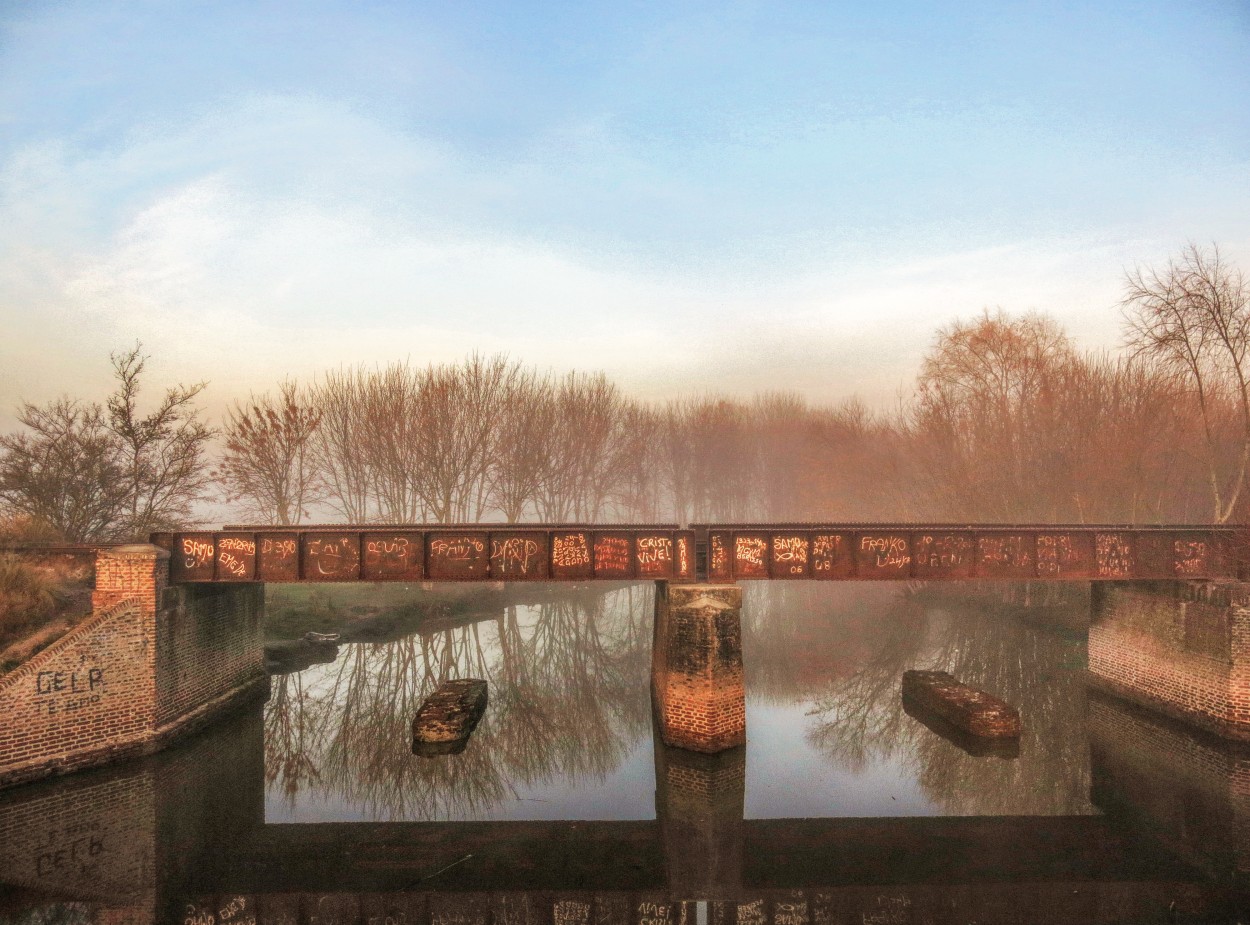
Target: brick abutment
(1180, 648)
(153, 662)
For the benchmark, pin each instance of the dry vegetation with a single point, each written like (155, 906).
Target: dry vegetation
(41, 597)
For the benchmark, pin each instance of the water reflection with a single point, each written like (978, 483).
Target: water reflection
(213, 830)
(568, 702)
(570, 712)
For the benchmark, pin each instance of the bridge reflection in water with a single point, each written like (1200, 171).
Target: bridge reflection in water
(183, 836)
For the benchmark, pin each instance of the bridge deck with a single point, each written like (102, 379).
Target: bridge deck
(720, 552)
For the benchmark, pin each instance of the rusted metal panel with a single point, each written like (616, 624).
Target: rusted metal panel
(394, 556)
(943, 555)
(653, 554)
(719, 556)
(1152, 555)
(194, 557)
(1065, 555)
(790, 555)
(1234, 548)
(277, 557)
(684, 556)
(1229, 555)
(570, 555)
(519, 556)
(1007, 556)
(330, 556)
(457, 556)
(883, 555)
(613, 554)
(1113, 555)
(733, 552)
(750, 555)
(833, 556)
(236, 557)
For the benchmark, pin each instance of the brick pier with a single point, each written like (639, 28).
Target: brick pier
(696, 666)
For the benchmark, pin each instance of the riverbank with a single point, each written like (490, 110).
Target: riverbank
(44, 593)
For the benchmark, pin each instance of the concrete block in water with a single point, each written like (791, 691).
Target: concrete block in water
(448, 717)
(966, 708)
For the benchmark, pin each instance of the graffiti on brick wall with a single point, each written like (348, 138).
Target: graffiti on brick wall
(75, 848)
(235, 910)
(68, 691)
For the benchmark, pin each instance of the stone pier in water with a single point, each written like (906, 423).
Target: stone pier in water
(696, 666)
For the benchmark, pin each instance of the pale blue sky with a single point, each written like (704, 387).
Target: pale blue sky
(690, 196)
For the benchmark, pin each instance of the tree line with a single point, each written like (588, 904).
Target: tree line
(1009, 421)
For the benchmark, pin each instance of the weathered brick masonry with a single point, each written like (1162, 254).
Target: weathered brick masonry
(696, 667)
(699, 802)
(1178, 785)
(151, 663)
(1182, 648)
(120, 840)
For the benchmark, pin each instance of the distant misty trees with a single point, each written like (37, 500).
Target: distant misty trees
(1009, 422)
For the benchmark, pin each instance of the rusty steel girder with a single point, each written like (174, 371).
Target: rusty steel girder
(469, 552)
(708, 552)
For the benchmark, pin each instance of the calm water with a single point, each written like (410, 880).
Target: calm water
(564, 808)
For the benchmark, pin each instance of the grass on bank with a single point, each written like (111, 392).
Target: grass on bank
(38, 605)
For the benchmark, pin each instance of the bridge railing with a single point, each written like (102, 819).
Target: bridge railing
(715, 552)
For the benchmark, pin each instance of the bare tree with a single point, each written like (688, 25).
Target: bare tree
(708, 459)
(987, 414)
(94, 473)
(67, 472)
(268, 458)
(342, 431)
(585, 450)
(1193, 318)
(162, 454)
(392, 443)
(518, 461)
(456, 420)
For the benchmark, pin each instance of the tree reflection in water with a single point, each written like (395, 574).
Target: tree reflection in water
(568, 698)
(874, 633)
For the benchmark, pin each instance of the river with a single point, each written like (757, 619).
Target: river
(566, 809)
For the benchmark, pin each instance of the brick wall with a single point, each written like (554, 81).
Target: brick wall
(696, 669)
(209, 643)
(88, 698)
(92, 842)
(699, 801)
(118, 840)
(1180, 786)
(149, 664)
(1182, 648)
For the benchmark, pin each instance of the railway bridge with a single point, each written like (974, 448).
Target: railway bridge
(176, 637)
